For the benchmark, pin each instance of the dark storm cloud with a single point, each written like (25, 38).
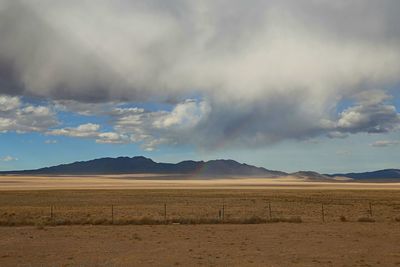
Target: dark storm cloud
(265, 70)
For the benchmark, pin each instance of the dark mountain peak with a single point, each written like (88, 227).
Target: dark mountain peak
(135, 158)
(226, 162)
(140, 158)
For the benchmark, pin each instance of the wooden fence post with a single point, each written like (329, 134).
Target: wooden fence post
(51, 212)
(370, 209)
(165, 212)
(223, 211)
(323, 213)
(112, 214)
(270, 211)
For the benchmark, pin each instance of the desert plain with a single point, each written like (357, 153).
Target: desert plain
(148, 221)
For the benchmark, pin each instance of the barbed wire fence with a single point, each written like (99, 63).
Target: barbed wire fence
(217, 211)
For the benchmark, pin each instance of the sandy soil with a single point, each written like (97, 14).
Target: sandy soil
(149, 181)
(307, 244)
(310, 243)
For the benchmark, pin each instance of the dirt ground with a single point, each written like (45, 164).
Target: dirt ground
(307, 244)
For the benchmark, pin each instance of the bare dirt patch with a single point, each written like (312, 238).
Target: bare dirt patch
(307, 244)
(290, 228)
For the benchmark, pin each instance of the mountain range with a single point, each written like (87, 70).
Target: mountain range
(135, 165)
(143, 165)
(388, 174)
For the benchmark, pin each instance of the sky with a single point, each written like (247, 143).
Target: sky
(287, 85)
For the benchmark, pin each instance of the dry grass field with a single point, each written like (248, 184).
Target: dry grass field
(191, 205)
(79, 230)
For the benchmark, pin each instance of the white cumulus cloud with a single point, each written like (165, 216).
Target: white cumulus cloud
(16, 116)
(8, 158)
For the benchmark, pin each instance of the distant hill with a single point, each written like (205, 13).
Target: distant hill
(388, 174)
(312, 176)
(135, 165)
